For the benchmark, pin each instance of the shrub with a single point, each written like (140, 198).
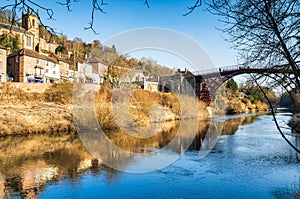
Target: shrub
(60, 93)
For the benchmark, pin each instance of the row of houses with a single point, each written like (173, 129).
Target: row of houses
(37, 61)
(30, 66)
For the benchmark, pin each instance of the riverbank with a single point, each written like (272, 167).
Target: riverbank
(35, 118)
(40, 108)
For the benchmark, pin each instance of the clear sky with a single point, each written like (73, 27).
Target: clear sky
(124, 15)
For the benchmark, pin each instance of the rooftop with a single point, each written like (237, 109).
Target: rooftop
(32, 53)
(15, 28)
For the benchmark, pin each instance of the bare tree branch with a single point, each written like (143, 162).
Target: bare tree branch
(197, 4)
(147, 3)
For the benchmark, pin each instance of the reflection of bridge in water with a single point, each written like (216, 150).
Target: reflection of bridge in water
(204, 84)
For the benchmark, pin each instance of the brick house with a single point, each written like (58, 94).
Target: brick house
(30, 66)
(3, 55)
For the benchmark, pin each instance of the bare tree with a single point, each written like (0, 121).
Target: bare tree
(266, 32)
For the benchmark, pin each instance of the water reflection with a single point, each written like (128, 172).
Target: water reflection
(29, 164)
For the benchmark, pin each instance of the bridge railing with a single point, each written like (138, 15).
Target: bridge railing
(217, 70)
(227, 68)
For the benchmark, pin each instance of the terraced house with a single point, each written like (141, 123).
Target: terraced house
(37, 61)
(30, 66)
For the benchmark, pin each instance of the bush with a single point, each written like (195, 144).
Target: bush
(60, 93)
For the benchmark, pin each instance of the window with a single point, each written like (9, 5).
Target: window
(0, 64)
(47, 70)
(54, 72)
(17, 59)
(37, 61)
(33, 23)
(28, 41)
(0, 52)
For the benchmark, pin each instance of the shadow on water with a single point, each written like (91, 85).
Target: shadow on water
(29, 164)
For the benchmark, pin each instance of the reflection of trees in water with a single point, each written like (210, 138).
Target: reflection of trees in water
(211, 130)
(28, 164)
(65, 159)
(232, 125)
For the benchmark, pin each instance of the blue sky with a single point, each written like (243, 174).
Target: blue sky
(126, 15)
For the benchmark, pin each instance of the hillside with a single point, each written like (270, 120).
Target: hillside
(245, 98)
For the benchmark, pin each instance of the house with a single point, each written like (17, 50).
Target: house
(64, 67)
(99, 70)
(3, 55)
(98, 66)
(28, 34)
(88, 72)
(151, 84)
(80, 71)
(52, 71)
(97, 78)
(182, 82)
(30, 66)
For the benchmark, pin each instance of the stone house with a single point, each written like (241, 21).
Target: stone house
(3, 55)
(28, 33)
(183, 82)
(30, 66)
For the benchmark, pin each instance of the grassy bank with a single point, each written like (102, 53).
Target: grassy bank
(47, 109)
(42, 108)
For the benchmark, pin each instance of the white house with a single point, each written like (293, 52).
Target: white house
(52, 72)
(88, 71)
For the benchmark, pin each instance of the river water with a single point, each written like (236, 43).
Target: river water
(249, 160)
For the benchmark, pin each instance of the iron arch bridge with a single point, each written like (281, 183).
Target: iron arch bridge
(204, 84)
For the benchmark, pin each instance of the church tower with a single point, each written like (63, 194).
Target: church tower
(31, 24)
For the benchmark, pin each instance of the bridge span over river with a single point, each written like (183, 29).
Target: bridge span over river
(204, 84)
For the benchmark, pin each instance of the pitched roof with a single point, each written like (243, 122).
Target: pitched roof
(58, 58)
(15, 28)
(94, 60)
(32, 53)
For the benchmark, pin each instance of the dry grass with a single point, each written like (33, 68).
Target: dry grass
(31, 112)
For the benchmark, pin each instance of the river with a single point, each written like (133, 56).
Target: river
(249, 160)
